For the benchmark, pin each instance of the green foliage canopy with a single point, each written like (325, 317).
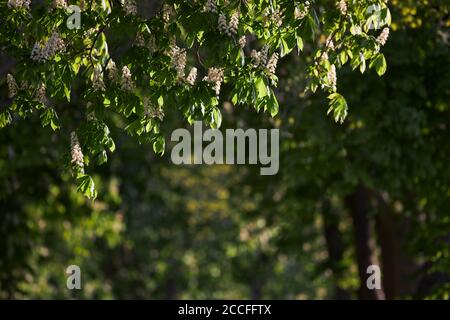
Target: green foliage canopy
(121, 65)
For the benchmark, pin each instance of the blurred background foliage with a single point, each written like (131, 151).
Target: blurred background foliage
(374, 190)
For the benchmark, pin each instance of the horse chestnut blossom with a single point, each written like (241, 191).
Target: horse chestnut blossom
(178, 56)
(260, 57)
(234, 24)
(215, 77)
(242, 41)
(332, 77)
(130, 7)
(342, 7)
(222, 23)
(60, 4)
(19, 4)
(127, 83)
(151, 111)
(229, 28)
(12, 86)
(210, 6)
(276, 17)
(383, 37)
(272, 64)
(192, 76)
(97, 80)
(75, 151)
(301, 12)
(111, 67)
(40, 95)
(53, 46)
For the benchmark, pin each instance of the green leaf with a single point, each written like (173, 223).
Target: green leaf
(216, 118)
(160, 101)
(5, 119)
(102, 157)
(343, 57)
(85, 185)
(261, 88)
(300, 43)
(288, 43)
(67, 92)
(272, 105)
(362, 66)
(49, 117)
(380, 64)
(159, 145)
(338, 106)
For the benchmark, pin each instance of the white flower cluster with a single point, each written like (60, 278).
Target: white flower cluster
(229, 28)
(12, 86)
(215, 77)
(40, 94)
(178, 56)
(210, 6)
(301, 12)
(97, 79)
(91, 116)
(324, 56)
(329, 44)
(277, 18)
(234, 23)
(150, 111)
(60, 4)
(274, 16)
(272, 64)
(383, 37)
(332, 77)
(167, 12)
(130, 7)
(19, 3)
(260, 57)
(75, 151)
(112, 70)
(54, 45)
(242, 41)
(342, 7)
(149, 43)
(127, 83)
(192, 76)
(139, 41)
(222, 23)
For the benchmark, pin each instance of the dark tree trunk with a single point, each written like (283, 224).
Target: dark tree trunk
(398, 266)
(261, 273)
(256, 289)
(171, 290)
(430, 281)
(335, 248)
(358, 205)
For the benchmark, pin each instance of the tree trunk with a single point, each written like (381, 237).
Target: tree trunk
(358, 205)
(256, 289)
(335, 248)
(171, 290)
(398, 266)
